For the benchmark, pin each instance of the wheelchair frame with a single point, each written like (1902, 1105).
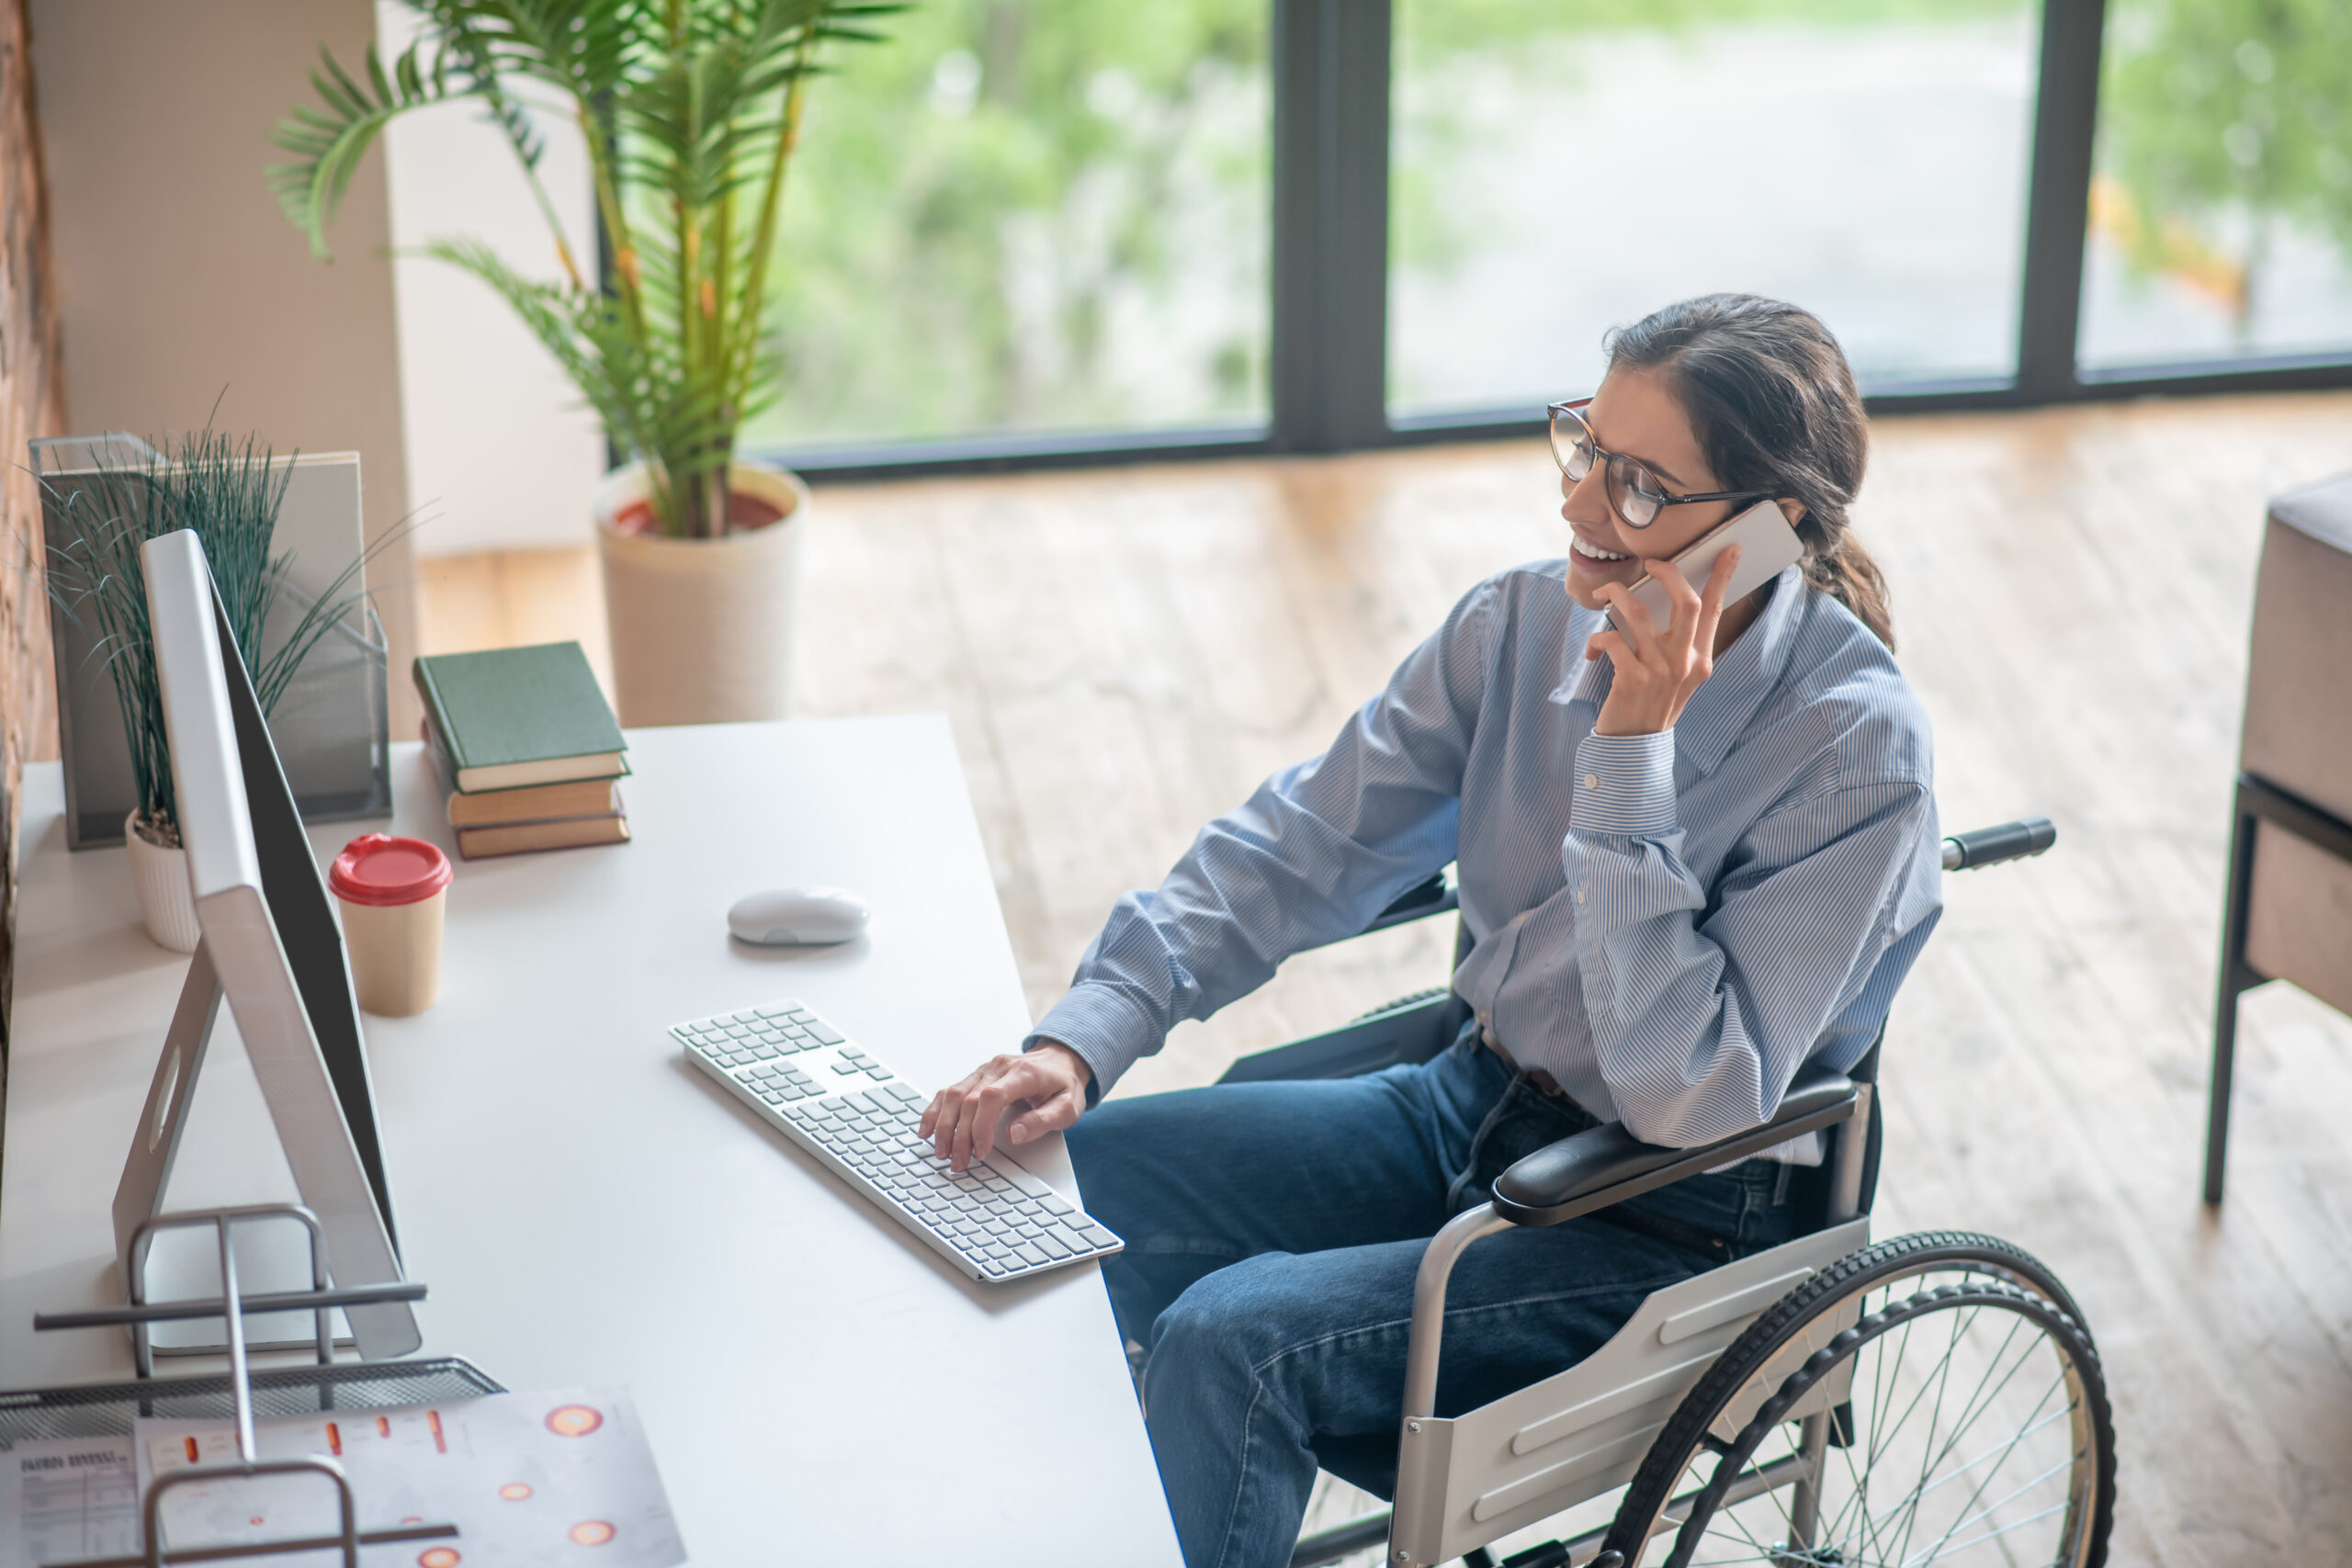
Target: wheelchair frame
(1467, 1480)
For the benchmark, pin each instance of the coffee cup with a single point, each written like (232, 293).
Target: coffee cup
(393, 892)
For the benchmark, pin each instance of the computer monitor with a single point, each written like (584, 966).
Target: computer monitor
(270, 944)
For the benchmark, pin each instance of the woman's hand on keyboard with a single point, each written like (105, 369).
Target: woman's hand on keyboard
(1045, 1088)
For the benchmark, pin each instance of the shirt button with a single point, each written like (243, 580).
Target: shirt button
(1579, 894)
(1592, 781)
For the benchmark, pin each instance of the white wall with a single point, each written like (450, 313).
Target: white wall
(500, 453)
(179, 283)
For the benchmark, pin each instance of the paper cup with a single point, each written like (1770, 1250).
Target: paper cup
(392, 892)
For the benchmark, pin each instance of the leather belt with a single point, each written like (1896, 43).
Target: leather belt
(1536, 1076)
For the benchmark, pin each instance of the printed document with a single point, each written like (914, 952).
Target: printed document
(561, 1480)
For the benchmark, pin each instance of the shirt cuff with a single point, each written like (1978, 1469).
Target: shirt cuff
(1106, 1030)
(1625, 784)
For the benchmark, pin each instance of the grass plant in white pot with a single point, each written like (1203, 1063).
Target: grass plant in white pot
(691, 110)
(229, 492)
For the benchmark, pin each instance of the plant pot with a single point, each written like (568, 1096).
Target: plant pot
(159, 876)
(701, 629)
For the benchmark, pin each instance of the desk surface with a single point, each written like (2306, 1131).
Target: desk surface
(588, 1209)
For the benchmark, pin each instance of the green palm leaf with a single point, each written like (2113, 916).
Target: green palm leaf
(691, 108)
(328, 141)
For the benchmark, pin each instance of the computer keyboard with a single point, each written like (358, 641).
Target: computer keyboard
(994, 1220)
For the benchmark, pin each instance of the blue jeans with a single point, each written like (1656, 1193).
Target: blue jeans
(1272, 1231)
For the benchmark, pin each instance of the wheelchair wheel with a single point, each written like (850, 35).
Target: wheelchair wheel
(1934, 1399)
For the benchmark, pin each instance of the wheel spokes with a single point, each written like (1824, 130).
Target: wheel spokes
(1920, 1403)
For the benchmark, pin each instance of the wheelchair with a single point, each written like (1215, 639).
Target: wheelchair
(1932, 1399)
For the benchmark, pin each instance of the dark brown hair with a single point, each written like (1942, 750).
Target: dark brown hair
(1772, 399)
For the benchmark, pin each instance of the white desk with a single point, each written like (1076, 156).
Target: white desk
(586, 1209)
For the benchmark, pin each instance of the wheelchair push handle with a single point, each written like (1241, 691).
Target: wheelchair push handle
(1990, 846)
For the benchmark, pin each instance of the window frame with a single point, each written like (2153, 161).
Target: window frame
(1328, 351)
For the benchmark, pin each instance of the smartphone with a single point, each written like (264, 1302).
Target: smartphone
(1767, 546)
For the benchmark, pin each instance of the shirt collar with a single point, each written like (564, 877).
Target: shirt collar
(1719, 710)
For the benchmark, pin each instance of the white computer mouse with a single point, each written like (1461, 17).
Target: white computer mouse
(798, 917)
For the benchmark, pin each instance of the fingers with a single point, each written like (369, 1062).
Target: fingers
(946, 1112)
(1050, 1115)
(1682, 625)
(1655, 670)
(939, 1116)
(976, 1125)
(1700, 655)
(1711, 603)
(1635, 625)
(961, 1122)
(1719, 580)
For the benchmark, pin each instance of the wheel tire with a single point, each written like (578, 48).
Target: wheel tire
(1953, 1271)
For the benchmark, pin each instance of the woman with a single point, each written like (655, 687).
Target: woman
(1692, 860)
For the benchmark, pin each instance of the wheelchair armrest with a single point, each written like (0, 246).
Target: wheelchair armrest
(1606, 1165)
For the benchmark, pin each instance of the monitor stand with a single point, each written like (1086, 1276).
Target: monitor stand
(185, 1263)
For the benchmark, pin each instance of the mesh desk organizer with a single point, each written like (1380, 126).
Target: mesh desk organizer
(243, 1393)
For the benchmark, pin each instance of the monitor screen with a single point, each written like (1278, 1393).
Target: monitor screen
(303, 918)
(271, 939)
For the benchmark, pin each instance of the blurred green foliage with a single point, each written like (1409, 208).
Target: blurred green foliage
(969, 206)
(2221, 120)
(972, 210)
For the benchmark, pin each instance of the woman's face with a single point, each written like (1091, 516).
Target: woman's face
(1634, 414)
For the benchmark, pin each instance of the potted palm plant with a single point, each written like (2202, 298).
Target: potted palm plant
(691, 110)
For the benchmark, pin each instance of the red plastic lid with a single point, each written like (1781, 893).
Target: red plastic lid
(378, 869)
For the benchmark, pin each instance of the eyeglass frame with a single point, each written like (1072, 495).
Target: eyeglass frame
(1607, 462)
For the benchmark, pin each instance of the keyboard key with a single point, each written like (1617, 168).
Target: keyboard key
(1051, 1247)
(824, 1034)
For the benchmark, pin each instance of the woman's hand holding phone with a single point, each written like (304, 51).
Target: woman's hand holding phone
(1656, 667)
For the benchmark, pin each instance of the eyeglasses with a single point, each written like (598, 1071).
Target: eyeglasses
(1634, 492)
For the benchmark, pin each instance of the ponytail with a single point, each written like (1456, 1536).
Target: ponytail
(1773, 401)
(1847, 573)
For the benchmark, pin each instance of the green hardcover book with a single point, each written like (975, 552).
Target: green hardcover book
(513, 716)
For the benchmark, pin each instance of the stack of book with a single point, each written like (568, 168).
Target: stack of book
(527, 749)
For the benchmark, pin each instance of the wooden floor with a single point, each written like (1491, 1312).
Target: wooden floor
(1125, 653)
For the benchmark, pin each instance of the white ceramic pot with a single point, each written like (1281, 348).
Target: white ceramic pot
(701, 629)
(159, 876)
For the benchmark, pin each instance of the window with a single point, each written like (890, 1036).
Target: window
(1029, 216)
(1560, 169)
(2221, 213)
(1056, 231)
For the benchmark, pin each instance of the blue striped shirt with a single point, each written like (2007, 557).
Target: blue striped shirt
(1671, 925)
